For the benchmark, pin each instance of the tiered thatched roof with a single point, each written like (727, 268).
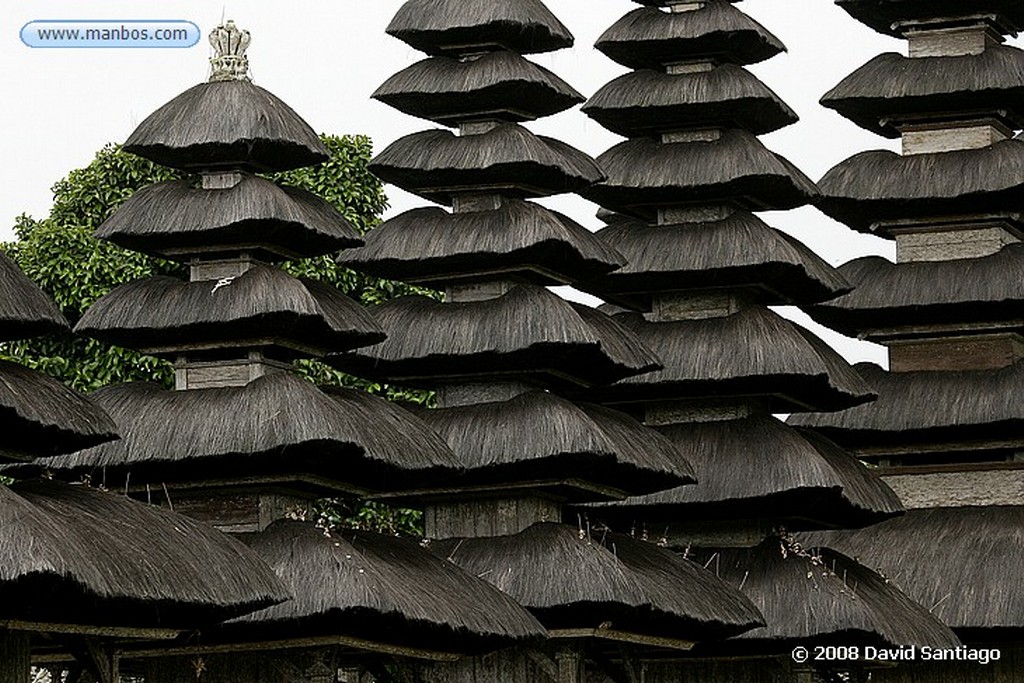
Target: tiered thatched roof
(772, 357)
(379, 588)
(527, 331)
(757, 468)
(736, 253)
(519, 239)
(886, 16)
(609, 581)
(890, 296)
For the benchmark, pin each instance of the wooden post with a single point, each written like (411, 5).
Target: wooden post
(14, 657)
(570, 665)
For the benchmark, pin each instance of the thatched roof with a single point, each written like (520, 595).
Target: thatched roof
(263, 307)
(649, 38)
(758, 468)
(276, 426)
(42, 417)
(737, 252)
(964, 563)
(754, 352)
(435, 247)
(457, 27)
(882, 185)
(882, 15)
(25, 310)
(527, 331)
(176, 220)
(928, 407)
(498, 85)
(436, 164)
(540, 437)
(227, 124)
(645, 102)
(892, 86)
(75, 555)
(379, 588)
(918, 293)
(823, 598)
(573, 580)
(644, 173)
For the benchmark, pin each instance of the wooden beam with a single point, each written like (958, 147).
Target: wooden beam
(83, 630)
(222, 648)
(622, 637)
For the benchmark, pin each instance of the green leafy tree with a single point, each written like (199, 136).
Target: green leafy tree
(60, 253)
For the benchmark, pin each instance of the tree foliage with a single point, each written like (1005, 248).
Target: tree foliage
(60, 253)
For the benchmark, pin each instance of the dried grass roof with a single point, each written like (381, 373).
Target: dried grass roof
(758, 468)
(754, 352)
(538, 436)
(262, 307)
(892, 86)
(989, 289)
(498, 85)
(738, 252)
(822, 598)
(25, 310)
(881, 15)
(648, 38)
(458, 26)
(964, 564)
(645, 173)
(435, 247)
(882, 185)
(176, 220)
(42, 417)
(436, 164)
(527, 331)
(227, 124)
(71, 554)
(647, 101)
(379, 588)
(573, 580)
(277, 425)
(928, 407)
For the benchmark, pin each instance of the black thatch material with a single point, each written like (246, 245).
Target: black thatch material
(278, 425)
(962, 563)
(615, 581)
(882, 15)
(42, 417)
(436, 164)
(823, 598)
(649, 38)
(498, 85)
(928, 407)
(751, 353)
(262, 307)
(758, 468)
(455, 27)
(227, 124)
(645, 102)
(75, 555)
(176, 220)
(527, 331)
(989, 289)
(737, 252)
(882, 185)
(25, 310)
(435, 247)
(538, 436)
(379, 588)
(892, 86)
(645, 173)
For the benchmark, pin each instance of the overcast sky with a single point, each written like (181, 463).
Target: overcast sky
(326, 57)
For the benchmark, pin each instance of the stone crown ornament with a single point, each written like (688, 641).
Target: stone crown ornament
(229, 62)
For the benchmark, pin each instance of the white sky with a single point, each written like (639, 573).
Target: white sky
(325, 58)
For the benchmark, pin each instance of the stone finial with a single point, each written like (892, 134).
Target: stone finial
(229, 45)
